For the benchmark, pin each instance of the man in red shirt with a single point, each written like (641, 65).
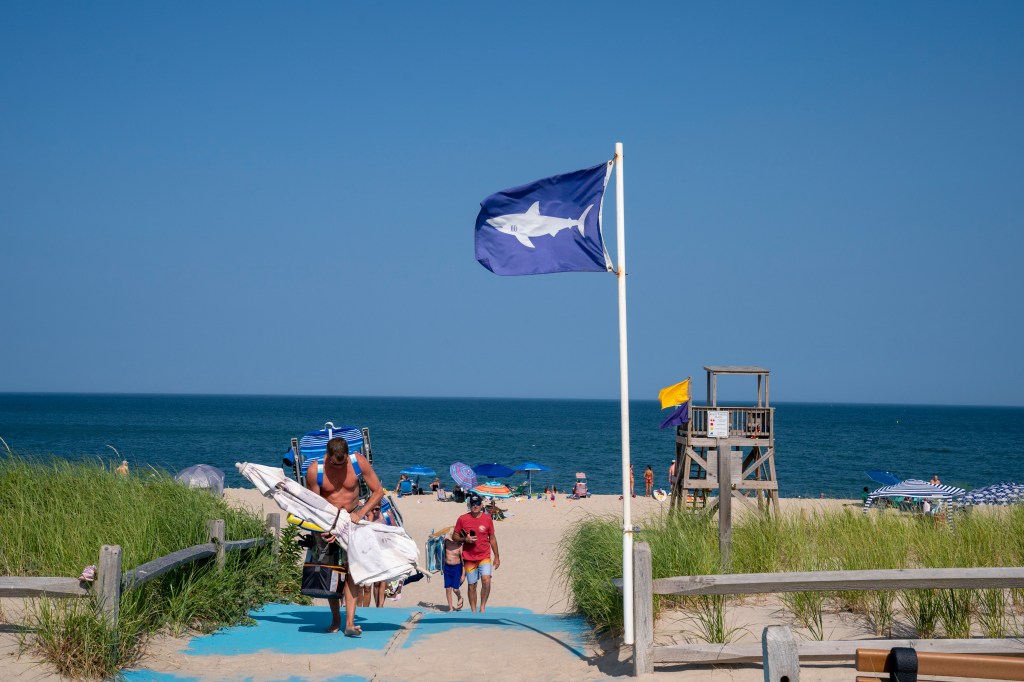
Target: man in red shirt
(476, 530)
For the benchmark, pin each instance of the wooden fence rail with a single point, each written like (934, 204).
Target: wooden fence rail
(645, 654)
(110, 583)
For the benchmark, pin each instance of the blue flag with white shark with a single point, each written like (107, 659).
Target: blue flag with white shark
(551, 225)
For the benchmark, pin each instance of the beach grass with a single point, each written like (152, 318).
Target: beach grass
(687, 544)
(57, 515)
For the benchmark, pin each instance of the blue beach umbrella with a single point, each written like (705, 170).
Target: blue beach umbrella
(494, 470)
(883, 477)
(417, 471)
(529, 468)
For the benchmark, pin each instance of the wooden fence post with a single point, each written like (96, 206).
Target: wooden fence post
(215, 531)
(779, 654)
(274, 526)
(108, 586)
(643, 610)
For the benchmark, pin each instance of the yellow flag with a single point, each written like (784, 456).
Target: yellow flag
(674, 395)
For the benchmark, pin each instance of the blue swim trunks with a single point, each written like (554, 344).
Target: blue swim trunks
(452, 575)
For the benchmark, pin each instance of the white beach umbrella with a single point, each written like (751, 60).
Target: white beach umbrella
(293, 498)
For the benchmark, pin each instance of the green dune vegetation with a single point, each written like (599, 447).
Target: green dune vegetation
(57, 514)
(687, 544)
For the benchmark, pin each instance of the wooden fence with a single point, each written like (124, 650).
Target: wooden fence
(645, 654)
(110, 582)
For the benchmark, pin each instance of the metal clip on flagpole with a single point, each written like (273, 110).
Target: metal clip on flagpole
(627, 494)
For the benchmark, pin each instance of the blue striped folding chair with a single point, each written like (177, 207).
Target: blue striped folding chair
(312, 447)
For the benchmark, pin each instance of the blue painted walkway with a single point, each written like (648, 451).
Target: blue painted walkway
(291, 629)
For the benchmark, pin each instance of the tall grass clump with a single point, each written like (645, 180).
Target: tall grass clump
(59, 513)
(687, 544)
(590, 557)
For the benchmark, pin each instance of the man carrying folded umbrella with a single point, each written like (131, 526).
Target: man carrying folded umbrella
(476, 530)
(340, 487)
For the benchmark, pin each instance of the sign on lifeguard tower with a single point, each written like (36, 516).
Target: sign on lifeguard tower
(718, 424)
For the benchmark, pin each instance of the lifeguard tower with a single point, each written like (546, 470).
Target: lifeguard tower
(746, 434)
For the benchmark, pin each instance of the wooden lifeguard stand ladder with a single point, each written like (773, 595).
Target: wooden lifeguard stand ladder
(748, 468)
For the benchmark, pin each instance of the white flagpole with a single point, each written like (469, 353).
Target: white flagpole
(627, 521)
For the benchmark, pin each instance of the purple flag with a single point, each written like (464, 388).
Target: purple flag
(551, 225)
(679, 416)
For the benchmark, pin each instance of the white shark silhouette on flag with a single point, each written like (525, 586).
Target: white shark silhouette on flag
(528, 230)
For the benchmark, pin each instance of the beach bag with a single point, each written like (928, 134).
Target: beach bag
(323, 572)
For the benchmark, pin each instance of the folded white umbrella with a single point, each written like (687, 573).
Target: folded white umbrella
(296, 499)
(376, 551)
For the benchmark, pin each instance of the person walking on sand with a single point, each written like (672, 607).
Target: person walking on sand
(476, 530)
(648, 481)
(672, 476)
(453, 570)
(340, 487)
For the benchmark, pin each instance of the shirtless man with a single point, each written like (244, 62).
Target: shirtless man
(341, 488)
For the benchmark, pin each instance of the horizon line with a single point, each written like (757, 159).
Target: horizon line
(488, 398)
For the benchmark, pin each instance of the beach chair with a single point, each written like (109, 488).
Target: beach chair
(521, 490)
(310, 450)
(579, 489)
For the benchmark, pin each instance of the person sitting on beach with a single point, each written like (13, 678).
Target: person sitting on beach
(496, 512)
(340, 487)
(435, 485)
(453, 569)
(648, 481)
(402, 479)
(476, 529)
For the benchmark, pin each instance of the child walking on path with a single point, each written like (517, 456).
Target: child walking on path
(453, 571)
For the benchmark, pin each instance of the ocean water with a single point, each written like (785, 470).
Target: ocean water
(820, 448)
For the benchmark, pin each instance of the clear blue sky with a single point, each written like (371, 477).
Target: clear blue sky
(280, 198)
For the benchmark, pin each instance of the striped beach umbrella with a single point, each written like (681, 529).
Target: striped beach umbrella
(998, 494)
(493, 489)
(914, 488)
(463, 475)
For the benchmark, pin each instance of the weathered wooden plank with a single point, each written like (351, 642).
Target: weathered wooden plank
(274, 526)
(108, 585)
(779, 652)
(643, 610)
(827, 581)
(724, 506)
(949, 665)
(15, 586)
(146, 572)
(751, 652)
(236, 545)
(215, 531)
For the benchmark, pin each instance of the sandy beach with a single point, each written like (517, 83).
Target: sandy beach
(528, 541)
